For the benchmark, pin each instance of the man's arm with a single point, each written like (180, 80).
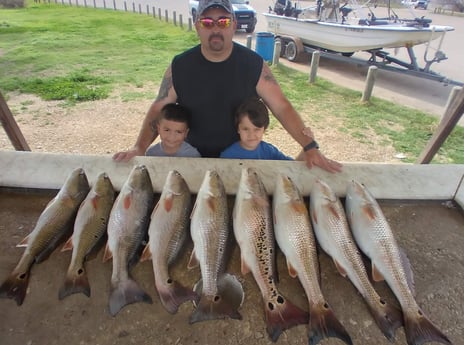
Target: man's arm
(269, 90)
(148, 133)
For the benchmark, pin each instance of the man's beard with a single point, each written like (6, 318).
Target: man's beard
(216, 42)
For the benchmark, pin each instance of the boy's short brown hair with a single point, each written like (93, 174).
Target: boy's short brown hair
(174, 112)
(256, 111)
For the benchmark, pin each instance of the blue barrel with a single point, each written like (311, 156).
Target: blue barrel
(265, 45)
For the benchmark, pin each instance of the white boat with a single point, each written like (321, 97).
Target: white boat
(328, 26)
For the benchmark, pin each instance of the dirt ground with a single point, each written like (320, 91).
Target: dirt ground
(430, 233)
(111, 125)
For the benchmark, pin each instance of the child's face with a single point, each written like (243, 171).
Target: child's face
(250, 135)
(172, 134)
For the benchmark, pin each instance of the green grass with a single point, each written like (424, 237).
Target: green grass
(82, 54)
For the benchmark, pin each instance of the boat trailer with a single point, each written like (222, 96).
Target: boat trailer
(292, 48)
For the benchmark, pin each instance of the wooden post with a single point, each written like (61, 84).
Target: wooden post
(370, 81)
(451, 117)
(248, 41)
(181, 21)
(174, 18)
(166, 16)
(315, 57)
(11, 127)
(277, 49)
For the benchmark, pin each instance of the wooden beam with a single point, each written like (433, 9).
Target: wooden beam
(11, 127)
(451, 117)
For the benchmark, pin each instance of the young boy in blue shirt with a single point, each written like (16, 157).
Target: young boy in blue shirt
(172, 127)
(252, 120)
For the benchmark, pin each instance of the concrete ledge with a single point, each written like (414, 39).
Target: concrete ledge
(385, 181)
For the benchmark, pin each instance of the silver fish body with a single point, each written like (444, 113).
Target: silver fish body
(221, 293)
(89, 228)
(375, 238)
(54, 224)
(127, 229)
(167, 234)
(335, 238)
(295, 237)
(253, 229)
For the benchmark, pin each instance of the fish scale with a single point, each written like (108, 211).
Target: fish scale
(375, 238)
(253, 229)
(53, 225)
(127, 229)
(221, 293)
(335, 238)
(295, 238)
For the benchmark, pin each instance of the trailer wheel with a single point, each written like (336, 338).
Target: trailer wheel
(291, 51)
(350, 54)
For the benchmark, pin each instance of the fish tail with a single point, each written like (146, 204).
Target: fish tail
(15, 287)
(174, 295)
(388, 318)
(324, 324)
(222, 305)
(75, 282)
(420, 330)
(282, 315)
(126, 292)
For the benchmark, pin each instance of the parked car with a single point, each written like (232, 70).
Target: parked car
(244, 13)
(416, 3)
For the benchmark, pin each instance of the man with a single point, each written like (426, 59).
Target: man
(212, 80)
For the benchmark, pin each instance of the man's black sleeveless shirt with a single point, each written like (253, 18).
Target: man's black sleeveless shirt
(213, 91)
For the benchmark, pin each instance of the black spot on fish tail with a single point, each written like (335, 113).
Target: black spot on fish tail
(15, 287)
(223, 305)
(174, 295)
(283, 315)
(420, 330)
(124, 293)
(324, 324)
(388, 318)
(75, 283)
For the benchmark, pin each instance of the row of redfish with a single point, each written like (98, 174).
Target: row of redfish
(219, 294)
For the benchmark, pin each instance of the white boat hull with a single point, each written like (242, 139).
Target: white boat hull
(348, 38)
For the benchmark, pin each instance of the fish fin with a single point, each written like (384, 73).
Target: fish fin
(124, 293)
(376, 275)
(408, 270)
(244, 267)
(108, 254)
(75, 282)
(68, 245)
(193, 262)
(387, 317)
(282, 315)
(260, 200)
(299, 207)
(127, 200)
(333, 210)
(324, 324)
(314, 217)
(340, 268)
(369, 210)
(146, 254)
(15, 287)
(172, 295)
(193, 209)
(168, 202)
(291, 270)
(24, 242)
(419, 330)
(94, 201)
(224, 304)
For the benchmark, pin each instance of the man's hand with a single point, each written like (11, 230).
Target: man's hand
(125, 156)
(314, 157)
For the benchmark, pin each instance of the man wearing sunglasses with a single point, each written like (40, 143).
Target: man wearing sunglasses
(212, 79)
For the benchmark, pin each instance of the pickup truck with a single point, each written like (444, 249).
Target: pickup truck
(244, 13)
